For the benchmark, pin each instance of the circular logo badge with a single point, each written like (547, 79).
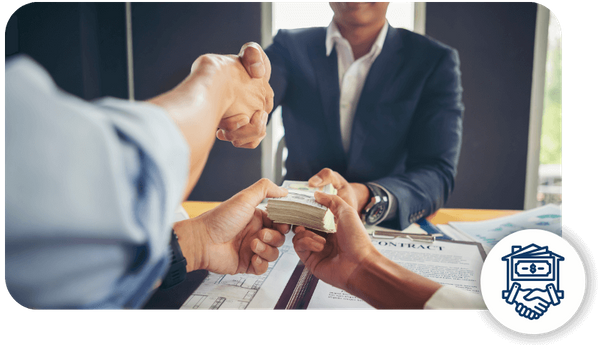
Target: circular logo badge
(533, 281)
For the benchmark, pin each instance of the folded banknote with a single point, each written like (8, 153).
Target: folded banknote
(300, 208)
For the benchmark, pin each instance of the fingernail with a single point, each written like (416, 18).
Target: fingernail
(315, 180)
(258, 69)
(267, 237)
(260, 246)
(258, 260)
(223, 133)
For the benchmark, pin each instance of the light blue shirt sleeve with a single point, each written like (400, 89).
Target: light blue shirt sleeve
(91, 191)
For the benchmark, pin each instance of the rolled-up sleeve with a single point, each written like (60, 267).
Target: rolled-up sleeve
(91, 190)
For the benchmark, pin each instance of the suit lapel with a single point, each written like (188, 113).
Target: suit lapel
(326, 72)
(384, 68)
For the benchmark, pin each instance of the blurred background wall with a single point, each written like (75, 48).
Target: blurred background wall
(84, 47)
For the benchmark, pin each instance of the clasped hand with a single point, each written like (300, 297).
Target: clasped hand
(529, 303)
(244, 124)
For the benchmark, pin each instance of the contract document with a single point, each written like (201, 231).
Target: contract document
(446, 262)
(287, 284)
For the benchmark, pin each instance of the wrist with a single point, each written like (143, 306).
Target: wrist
(193, 104)
(211, 76)
(191, 237)
(356, 280)
(361, 191)
(384, 284)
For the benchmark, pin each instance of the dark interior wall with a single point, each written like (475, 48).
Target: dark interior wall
(495, 43)
(83, 47)
(167, 38)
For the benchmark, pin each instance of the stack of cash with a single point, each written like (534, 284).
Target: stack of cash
(300, 208)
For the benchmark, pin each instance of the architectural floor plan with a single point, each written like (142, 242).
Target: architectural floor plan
(241, 291)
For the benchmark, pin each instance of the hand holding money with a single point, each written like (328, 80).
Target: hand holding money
(299, 207)
(355, 194)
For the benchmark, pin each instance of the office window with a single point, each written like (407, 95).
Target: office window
(293, 15)
(550, 175)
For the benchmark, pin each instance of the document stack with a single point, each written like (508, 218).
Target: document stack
(300, 208)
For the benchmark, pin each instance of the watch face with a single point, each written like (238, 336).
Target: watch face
(376, 213)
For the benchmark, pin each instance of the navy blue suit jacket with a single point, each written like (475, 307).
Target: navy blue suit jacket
(407, 128)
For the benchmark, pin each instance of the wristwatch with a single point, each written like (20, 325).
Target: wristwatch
(378, 206)
(177, 271)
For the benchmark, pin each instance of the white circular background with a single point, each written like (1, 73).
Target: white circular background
(571, 281)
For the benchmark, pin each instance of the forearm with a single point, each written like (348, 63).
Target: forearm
(196, 106)
(387, 285)
(418, 193)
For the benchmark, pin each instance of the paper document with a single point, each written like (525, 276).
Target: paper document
(246, 291)
(446, 262)
(490, 232)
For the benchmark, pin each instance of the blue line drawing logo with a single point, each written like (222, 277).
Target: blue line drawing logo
(532, 280)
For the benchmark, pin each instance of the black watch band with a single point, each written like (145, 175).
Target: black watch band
(177, 271)
(378, 206)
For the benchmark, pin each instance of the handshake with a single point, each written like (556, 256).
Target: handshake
(532, 303)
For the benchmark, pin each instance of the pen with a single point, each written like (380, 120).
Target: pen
(413, 237)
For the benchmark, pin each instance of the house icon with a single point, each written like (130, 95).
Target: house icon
(533, 267)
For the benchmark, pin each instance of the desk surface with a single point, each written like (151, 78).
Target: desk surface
(173, 298)
(196, 208)
(442, 216)
(445, 215)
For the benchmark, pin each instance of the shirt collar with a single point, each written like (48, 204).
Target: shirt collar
(333, 35)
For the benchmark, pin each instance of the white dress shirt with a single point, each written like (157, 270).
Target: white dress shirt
(450, 297)
(91, 191)
(352, 75)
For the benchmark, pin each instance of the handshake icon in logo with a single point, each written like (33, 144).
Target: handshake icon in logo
(532, 280)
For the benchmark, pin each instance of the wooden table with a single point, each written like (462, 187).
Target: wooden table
(196, 208)
(445, 215)
(442, 216)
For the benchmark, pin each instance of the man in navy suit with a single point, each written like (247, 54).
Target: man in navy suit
(377, 106)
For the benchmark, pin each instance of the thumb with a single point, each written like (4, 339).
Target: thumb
(337, 205)
(251, 55)
(264, 188)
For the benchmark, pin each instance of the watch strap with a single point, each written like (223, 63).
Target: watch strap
(177, 270)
